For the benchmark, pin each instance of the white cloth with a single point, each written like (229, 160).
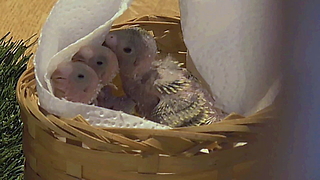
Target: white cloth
(236, 47)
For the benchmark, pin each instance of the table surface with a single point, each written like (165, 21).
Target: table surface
(24, 18)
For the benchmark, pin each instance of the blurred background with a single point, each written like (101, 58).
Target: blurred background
(298, 145)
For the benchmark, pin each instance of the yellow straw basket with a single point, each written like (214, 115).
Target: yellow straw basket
(70, 149)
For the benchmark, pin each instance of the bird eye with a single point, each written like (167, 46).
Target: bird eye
(81, 76)
(127, 50)
(99, 63)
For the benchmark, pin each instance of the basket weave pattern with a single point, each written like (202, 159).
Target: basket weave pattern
(69, 149)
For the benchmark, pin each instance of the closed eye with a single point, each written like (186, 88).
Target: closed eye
(127, 50)
(80, 76)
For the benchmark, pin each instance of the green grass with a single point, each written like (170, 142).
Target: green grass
(13, 59)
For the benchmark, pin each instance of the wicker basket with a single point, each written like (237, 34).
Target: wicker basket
(69, 149)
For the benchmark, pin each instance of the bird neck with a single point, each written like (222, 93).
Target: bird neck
(142, 66)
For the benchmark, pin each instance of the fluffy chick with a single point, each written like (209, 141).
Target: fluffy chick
(163, 90)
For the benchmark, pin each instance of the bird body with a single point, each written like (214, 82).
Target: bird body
(164, 91)
(183, 100)
(106, 99)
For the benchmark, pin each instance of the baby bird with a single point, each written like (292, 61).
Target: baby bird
(75, 81)
(101, 59)
(164, 91)
(104, 62)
